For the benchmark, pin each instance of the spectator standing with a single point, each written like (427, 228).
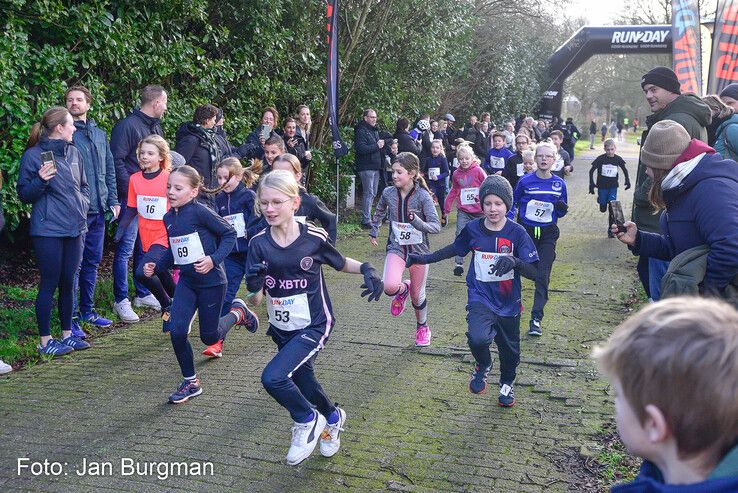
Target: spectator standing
(253, 148)
(722, 133)
(124, 140)
(197, 142)
(368, 161)
(592, 134)
(729, 95)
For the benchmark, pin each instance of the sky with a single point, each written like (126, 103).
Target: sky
(597, 13)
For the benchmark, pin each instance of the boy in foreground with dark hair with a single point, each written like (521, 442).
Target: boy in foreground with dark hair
(675, 375)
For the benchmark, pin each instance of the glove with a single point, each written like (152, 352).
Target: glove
(373, 285)
(505, 264)
(255, 277)
(592, 189)
(627, 185)
(561, 207)
(414, 258)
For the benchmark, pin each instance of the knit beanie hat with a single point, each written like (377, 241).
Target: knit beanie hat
(730, 91)
(496, 185)
(663, 77)
(665, 142)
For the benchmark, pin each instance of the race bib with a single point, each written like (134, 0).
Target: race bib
(301, 219)
(238, 223)
(455, 163)
(186, 249)
(497, 162)
(520, 169)
(609, 170)
(433, 173)
(469, 196)
(405, 234)
(540, 212)
(558, 165)
(484, 265)
(289, 313)
(151, 207)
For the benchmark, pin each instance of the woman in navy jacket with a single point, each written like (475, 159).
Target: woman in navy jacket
(56, 186)
(698, 191)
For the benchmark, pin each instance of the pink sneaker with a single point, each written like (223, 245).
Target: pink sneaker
(422, 336)
(398, 302)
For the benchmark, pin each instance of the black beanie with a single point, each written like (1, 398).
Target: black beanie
(663, 77)
(730, 91)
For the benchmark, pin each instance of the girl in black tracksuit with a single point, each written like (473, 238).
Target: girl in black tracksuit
(199, 241)
(435, 169)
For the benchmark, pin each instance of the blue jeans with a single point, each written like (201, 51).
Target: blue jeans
(127, 246)
(369, 185)
(86, 276)
(235, 269)
(656, 271)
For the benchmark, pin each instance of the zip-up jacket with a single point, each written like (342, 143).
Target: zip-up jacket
(397, 209)
(92, 144)
(216, 236)
(60, 205)
(124, 139)
(471, 177)
(239, 201)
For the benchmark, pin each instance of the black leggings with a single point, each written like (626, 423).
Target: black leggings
(161, 283)
(544, 238)
(58, 259)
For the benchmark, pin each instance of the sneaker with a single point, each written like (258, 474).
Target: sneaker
(535, 328)
(54, 348)
(5, 368)
(214, 350)
(245, 316)
(186, 390)
(96, 320)
(77, 330)
(478, 382)
(507, 396)
(75, 343)
(125, 312)
(458, 270)
(166, 315)
(148, 301)
(398, 302)
(304, 439)
(422, 336)
(330, 439)
(444, 220)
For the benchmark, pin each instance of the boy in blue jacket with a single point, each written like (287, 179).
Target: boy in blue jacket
(675, 375)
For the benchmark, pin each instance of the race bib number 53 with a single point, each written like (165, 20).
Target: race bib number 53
(289, 313)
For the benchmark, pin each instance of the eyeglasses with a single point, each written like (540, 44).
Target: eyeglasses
(276, 204)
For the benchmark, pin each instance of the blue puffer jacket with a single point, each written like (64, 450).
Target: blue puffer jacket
(59, 205)
(726, 138)
(701, 210)
(92, 144)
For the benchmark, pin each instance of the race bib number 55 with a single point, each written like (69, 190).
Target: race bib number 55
(469, 196)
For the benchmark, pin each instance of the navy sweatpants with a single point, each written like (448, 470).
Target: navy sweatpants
(438, 187)
(58, 260)
(161, 283)
(207, 302)
(483, 327)
(235, 269)
(289, 376)
(544, 238)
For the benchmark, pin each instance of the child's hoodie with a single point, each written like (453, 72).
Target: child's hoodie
(463, 183)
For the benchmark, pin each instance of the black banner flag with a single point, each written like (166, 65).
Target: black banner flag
(331, 83)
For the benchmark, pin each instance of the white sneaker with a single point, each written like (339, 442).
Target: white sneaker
(304, 439)
(148, 301)
(125, 312)
(5, 368)
(330, 439)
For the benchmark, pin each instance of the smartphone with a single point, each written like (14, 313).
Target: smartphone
(616, 215)
(266, 131)
(48, 157)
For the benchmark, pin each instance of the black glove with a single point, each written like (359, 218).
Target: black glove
(255, 277)
(592, 189)
(373, 285)
(627, 185)
(561, 207)
(414, 258)
(505, 264)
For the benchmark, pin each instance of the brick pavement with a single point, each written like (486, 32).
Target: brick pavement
(412, 424)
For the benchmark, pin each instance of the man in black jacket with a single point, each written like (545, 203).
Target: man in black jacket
(124, 139)
(368, 162)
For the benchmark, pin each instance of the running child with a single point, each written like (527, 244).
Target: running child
(502, 250)
(514, 165)
(311, 207)
(147, 203)
(497, 155)
(273, 147)
(409, 207)
(285, 264)
(435, 168)
(529, 163)
(607, 165)
(562, 167)
(465, 184)
(540, 200)
(200, 239)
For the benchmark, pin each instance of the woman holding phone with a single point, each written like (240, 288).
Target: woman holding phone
(52, 179)
(254, 146)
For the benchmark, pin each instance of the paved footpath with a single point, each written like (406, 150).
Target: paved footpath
(412, 423)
